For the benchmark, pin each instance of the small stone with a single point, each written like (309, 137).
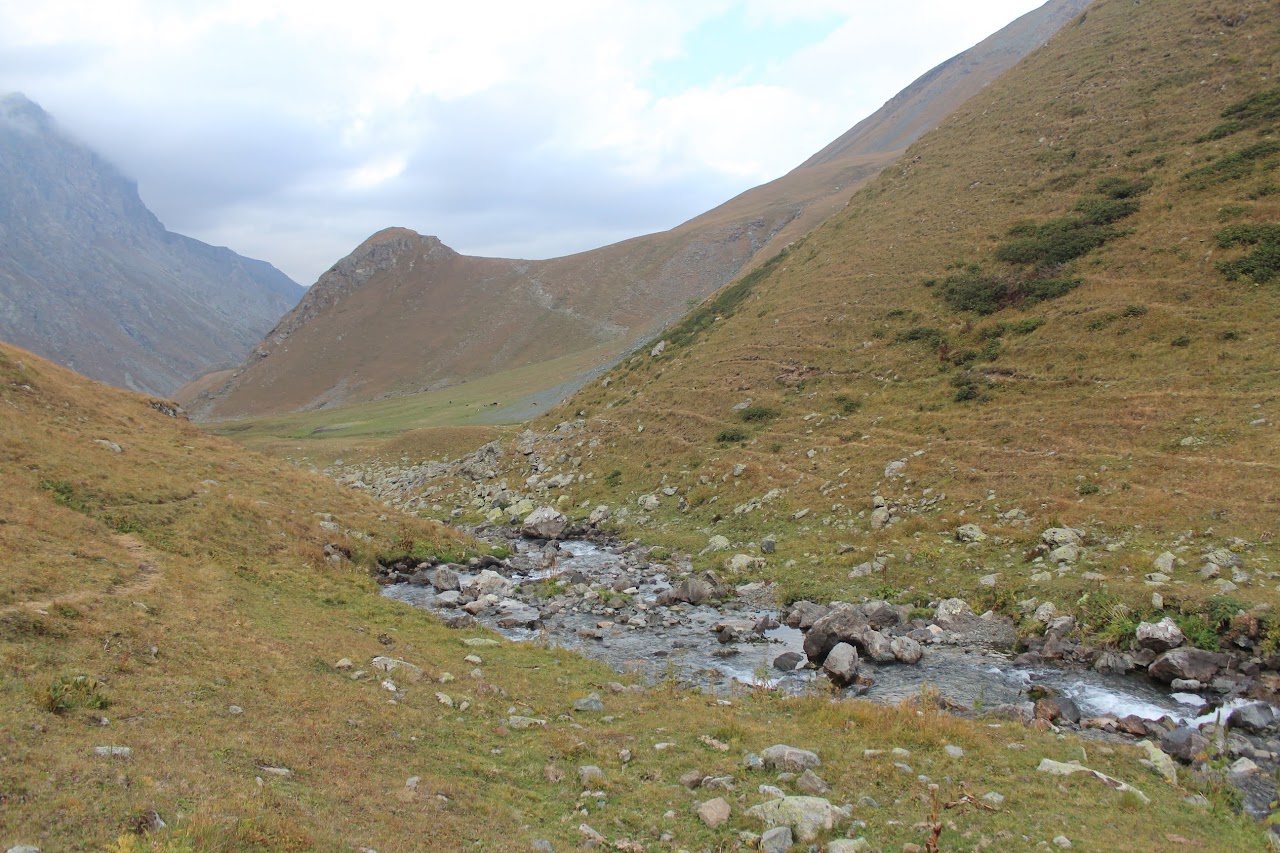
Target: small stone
(776, 840)
(590, 775)
(715, 812)
(993, 798)
(590, 704)
(849, 845)
(113, 751)
(954, 751)
(344, 664)
(812, 784)
(1062, 841)
(235, 710)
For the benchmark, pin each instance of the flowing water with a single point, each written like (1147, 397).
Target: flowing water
(680, 642)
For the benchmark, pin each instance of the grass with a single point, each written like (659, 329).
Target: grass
(224, 599)
(1136, 401)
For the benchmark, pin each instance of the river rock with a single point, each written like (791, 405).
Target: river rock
(1160, 636)
(843, 624)
(544, 523)
(906, 650)
(789, 661)
(694, 590)
(954, 614)
(789, 758)
(1114, 663)
(445, 579)
(744, 562)
(878, 647)
(881, 614)
(806, 816)
(489, 582)
(849, 845)
(803, 614)
(1186, 663)
(1184, 743)
(1057, 708)
(718, 543)
(1255, 718)
(841, 664)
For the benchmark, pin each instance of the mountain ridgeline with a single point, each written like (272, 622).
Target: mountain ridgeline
(404, 313)
(91, 279)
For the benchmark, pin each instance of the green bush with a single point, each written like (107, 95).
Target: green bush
(1123, 187)
(1260, 265)
(848, 405)
(1233, 166)
(730, 435)
(920, 334)
(756, 414)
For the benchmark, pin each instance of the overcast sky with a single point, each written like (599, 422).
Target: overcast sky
(290, 131)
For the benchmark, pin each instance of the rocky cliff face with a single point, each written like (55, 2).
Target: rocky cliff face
(90, 278)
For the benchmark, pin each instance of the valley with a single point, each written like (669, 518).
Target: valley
(934, 514)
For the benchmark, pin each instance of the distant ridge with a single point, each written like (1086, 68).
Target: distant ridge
(403, 314)
(91, 279)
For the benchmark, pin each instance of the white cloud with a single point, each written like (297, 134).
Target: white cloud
(291, 130)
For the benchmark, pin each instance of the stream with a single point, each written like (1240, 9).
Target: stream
(657, 642)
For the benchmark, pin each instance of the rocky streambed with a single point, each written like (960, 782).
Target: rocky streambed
(659, 619)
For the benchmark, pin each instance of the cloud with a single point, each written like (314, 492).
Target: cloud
(290, 131)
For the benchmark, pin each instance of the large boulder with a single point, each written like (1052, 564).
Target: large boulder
(693, 590)
(789, 759)
(1160, 636)
(878, 647)
(1056, 537)
(803, 614)
(906, 650)
(1187, 664)
(881, 614)
(1184, 744)
(445, 579)
(1255, 717)
(544, 523)
(807, 816)
(844, 624)
(489, 582)
(841, 665)
(954, 614)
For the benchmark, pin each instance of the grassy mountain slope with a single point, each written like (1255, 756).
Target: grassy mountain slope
(404, 313)
(174, 598)
(1042, 315)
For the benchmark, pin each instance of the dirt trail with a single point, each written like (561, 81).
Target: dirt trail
(143, 558)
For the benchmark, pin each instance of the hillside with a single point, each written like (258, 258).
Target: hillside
(404, 313)
(1059, 308)
(91, 279)
(192, 649)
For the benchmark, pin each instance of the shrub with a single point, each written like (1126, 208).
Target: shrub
(1181, 341)
(848, 405)
(66, 693)
(1118, 188)
(756, 414)
(731, 435)
(1260, 265)
(613, 478)
(920, 334)
(1134, 311)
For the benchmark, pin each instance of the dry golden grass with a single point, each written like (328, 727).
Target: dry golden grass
(165, 584)
(1143, 406)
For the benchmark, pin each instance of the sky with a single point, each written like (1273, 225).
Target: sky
(291, 131)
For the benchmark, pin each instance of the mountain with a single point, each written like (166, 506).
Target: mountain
(90, 278)
(1059, 309)
(404, 313)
